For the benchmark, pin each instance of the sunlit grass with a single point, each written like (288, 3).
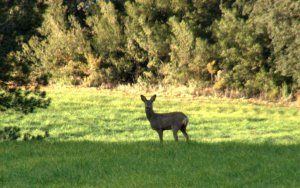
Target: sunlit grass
(100, 138)
(101, 115)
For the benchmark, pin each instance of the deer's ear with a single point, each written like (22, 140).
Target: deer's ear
(153, 98)
(143, 98)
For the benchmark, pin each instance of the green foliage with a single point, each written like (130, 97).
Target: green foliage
(22, 100)
(9, 133)
(18, 85)
(182, 44)
(276, 20)
(155, 42)
(188, 55)
(241, 55)
(105, 28)
(62, 48)
(13, 133)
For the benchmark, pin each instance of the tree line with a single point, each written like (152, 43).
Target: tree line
(249, 46)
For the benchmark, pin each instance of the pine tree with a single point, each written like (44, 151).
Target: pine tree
(18, 23)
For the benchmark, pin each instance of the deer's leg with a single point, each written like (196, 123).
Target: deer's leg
(160, 134)
(175, 134)
(183, 130)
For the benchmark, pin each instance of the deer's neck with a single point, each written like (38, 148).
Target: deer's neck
(150, 113)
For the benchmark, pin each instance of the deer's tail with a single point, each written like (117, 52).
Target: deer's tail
(185, 121)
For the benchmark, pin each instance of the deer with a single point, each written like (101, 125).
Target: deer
(174, 121)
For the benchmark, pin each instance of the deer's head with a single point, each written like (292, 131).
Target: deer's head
(148, 103)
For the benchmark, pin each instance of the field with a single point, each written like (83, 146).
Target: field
(101, 138)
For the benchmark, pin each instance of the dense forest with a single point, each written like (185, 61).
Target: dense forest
(251, 46)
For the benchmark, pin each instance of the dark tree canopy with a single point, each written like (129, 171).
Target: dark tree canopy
(19, 21)
(249, 46)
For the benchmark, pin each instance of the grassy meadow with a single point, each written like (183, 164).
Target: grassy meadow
(101, 138)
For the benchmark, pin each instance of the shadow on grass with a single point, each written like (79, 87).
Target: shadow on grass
(256, 119)
(149, 164)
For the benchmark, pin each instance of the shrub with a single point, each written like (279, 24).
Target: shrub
(14, 133)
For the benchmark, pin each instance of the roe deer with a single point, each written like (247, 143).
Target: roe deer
(166, 121)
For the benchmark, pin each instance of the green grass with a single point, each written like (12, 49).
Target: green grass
(100, 138)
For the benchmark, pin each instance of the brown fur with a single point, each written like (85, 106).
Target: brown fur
(174, 121)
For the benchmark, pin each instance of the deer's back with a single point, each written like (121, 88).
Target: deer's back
(168, 120)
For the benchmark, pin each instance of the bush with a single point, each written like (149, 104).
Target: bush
(14, 133)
